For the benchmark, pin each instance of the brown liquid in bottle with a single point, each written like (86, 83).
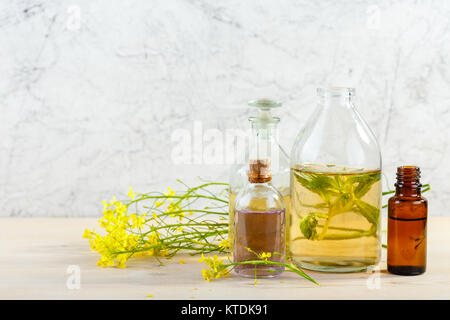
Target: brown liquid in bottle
(407, 225)
(262, 232)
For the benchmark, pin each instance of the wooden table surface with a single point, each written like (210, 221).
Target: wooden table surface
(36, 255)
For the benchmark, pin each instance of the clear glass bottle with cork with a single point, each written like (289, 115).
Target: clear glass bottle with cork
(259, 223)
(407, 224)
(264, 132)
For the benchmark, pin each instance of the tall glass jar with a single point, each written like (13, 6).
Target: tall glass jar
(263, 143)
(335, 188)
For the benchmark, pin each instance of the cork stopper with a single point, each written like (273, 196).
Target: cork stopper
(259, 171)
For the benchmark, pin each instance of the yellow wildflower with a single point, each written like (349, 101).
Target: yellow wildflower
(173, 207)
(171, 193)
(131, 194)
(120, 208)
(121, 259)
(265, 255)
(149, 295)
(202, 258)
(217, 268)
(105, 205)
(87, 234)
(158, 203)
(182, 261)
(117, 238)
(206, 275)
(137, 222)
(225, 244)
(105, 262)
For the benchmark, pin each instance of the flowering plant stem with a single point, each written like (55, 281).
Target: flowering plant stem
(161, 224)
(219, 269)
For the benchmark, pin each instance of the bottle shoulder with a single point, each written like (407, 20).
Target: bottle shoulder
(259, 197)
(403, 199)
(260, 190)
(407, 207)
(335, 136)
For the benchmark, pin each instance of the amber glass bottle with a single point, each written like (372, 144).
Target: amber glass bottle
(407, 225)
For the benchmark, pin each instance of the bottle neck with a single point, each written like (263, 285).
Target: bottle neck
(336, 97)
(263, 143)
(260, 184)
(265, 132)
(408, 182)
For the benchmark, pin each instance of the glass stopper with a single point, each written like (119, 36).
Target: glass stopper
(264, 104)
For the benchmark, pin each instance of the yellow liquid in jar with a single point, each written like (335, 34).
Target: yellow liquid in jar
(341, 212)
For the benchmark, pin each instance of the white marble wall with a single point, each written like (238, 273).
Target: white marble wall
(91, 91)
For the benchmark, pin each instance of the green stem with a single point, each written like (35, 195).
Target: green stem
(353, 235)
(342, 228)
(325, 228)
(175, 197)
(274, 263)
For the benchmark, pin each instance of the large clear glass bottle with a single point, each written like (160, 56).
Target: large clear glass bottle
(264, 132)
(335, 188)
